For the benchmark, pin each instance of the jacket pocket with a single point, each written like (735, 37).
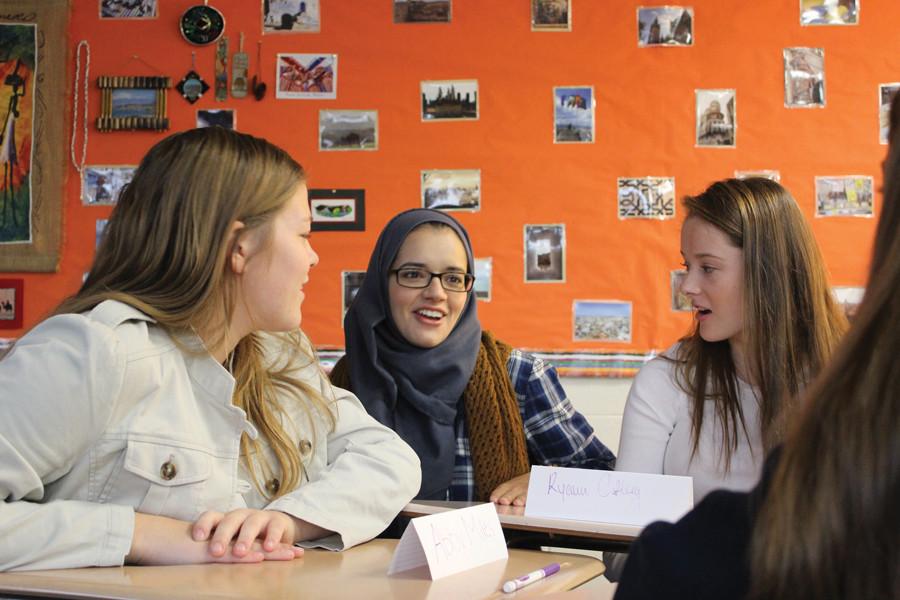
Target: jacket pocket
(174, 477)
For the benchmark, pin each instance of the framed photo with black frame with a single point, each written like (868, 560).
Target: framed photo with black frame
(338, 210)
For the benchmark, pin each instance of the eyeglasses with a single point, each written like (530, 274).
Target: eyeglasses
(452, 281)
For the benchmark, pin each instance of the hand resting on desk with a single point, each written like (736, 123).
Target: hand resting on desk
(246, 526)
(513, 492)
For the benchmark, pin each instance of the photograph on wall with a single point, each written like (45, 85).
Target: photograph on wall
(99, 228)
(449, 189)
(11, 303)
(484, 268)
(646, 197)
(680, 302)
(17, 72)
(422, 11)
(886, 93)
(829, 12)
(102, 184)
(665, 26)
(449, 100)
(128, 9)
(351, 281)
(764, 173)
(348, 130)
(804, 77)
(545, 253)
(844, 196)
(306, 76)
(290, 16)
(217, 117)
(601, 321)
(716, 118)
(573, 115)
(551, 15)
(848, 297)
(338, 210)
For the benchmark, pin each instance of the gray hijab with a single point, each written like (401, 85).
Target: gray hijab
(414, 391)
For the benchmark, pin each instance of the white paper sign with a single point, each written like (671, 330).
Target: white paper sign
(451, 541)
(607, 496)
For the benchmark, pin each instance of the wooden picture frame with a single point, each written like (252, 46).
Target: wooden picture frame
(129, 103)
(11, 303)
(338, 210)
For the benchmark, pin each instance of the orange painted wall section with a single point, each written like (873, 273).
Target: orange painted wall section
(644, 126)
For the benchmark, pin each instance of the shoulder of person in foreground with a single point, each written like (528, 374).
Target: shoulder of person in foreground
(556, 433)
(371, 472)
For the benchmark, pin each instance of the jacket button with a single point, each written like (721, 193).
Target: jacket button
(273, 485)
(168, 470)
(305, 447)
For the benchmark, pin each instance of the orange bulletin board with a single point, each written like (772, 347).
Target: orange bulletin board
(645, 122)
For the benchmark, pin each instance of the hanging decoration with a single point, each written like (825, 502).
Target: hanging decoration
(133, 103)
(192, 87)
(202, 24)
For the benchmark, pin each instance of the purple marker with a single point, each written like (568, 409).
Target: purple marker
(517, 584)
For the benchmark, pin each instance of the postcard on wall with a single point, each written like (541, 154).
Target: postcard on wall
(573, 114)
(545, 253)
(348, 130)
(306, 76)
(422, 11)
(551, 15)
(764, 173)
(665, 26)
(128, 9)
(290, 16)
(680, 302)
(601, 321)
(217, 117)
(99, 228)
(844, 196)
(449, 100)
(848, 297)
(829, 12)
(458, 189)
(102, 184)
(804, 77)
(646, 197)
(886, 93)
(484, 268)
(351, 281)
(716, 118)
(12, 300)
(338, 210)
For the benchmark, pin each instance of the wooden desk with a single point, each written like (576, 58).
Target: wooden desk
(357, 573)
(602, 536)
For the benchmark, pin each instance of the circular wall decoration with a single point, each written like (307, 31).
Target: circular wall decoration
(202, 24)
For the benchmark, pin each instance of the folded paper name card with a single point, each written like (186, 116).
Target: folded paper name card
(607, 496)
(451, 541)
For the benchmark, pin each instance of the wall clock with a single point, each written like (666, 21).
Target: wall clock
(202, 24)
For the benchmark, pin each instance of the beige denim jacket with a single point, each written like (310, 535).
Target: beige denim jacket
(102, 415)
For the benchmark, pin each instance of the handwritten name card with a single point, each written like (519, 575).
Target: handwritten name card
(607, 496)
(451, 541)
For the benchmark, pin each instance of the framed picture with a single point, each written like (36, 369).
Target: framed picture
(844, 196)
(128, 9)
(886, 93)
(601, 321)
(422, 11)
(351, 281)
(348, 130)
(804, 77)
(306, 76)
(665, 26)
(646, 197)
(829, 12)
(484, 268)
(545, 253)
(217, 117)
(290, 16)
(102, 184)
(551, 15)
(338, 210)
(11, 301)
(452, 189)
(573, 115)
(449, 100)
(766, 173)
(680, 302)
(716, 119)
(128, 103)
(848, 297)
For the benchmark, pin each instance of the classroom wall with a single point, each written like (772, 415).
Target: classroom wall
(644, 126)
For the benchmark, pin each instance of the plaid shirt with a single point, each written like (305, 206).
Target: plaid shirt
(555, 433)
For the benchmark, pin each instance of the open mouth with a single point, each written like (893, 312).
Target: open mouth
(431, 315)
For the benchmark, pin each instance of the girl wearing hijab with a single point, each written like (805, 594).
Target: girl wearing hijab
(476, 411)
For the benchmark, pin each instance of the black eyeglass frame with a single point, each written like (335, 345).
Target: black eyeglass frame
(468, 277)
